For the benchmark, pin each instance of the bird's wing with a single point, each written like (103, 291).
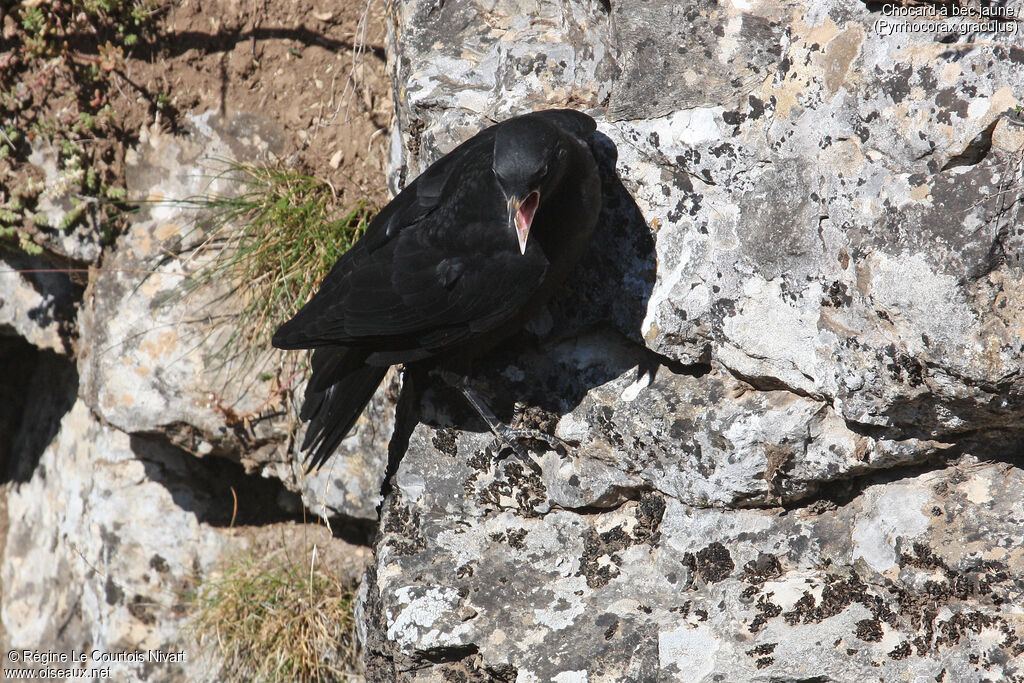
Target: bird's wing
(427, 288)
(428, 191)
(436, 265)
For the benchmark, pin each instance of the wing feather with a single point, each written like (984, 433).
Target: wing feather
(392, 292)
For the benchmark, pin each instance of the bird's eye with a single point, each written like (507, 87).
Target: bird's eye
(562, 153)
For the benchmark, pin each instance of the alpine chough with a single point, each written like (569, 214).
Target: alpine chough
(457, 262)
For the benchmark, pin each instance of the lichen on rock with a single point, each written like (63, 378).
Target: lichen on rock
(817, 368)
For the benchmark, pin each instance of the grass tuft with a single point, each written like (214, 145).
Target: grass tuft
(278, 620)
(274, 241)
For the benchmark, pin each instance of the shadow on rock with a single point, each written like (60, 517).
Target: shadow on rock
(218, 492)
(221, 493)
(37, 388)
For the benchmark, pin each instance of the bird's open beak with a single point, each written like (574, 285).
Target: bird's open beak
(521, 212)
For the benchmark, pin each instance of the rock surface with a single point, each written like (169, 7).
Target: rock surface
(793, 392)
(156, 364)
(123, 478)
(78, 575)
(789, 372)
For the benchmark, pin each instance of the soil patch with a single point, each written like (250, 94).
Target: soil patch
(85, 86)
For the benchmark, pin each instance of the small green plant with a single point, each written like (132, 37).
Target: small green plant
(56, 80)
(72, 217)
(277, 619)
(274, 241)
(116, 193)
(9, 233)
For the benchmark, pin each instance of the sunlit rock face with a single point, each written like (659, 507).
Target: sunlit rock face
(789, 372)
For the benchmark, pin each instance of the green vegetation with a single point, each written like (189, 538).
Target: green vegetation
(274, 241)
(57, 75)
(48, 25)
(274, 619)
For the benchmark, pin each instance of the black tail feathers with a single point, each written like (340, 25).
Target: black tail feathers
(340, 386)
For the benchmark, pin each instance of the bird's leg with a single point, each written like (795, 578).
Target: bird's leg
(502, 431)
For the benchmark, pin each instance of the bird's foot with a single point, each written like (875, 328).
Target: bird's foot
(509, 437)
(518, 417)
(505, 436)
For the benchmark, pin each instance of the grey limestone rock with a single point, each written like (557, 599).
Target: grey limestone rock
(155, 362)
(79, 574)
(789, 374)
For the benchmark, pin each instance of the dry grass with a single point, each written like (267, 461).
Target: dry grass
(278, 619)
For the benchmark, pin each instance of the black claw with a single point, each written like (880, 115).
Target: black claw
(505, 443)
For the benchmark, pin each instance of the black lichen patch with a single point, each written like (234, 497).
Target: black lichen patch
(836, 296)
(988, 581)
(603, 418)
(712, 564)
(113, 592)
(527, 488)
(862, 130)
(761, 652)
(142, 608)
(159, 564)
(111, 540)
(512, 482)
(910, 606)
(535, 417)
(869, 630)
(610, 623)
(502, 673)
(404, 525)
(901, 651)
(479, 463)
(766, 609)
(838, 593)
(514, 538)
(649, 513)
(962, 624)
(756, 107)
(896, 82)
(949, 102)
(598, 546)
(907, 369)
(444, 441)
(761, 569)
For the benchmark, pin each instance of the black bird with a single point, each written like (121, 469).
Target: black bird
(455, 263)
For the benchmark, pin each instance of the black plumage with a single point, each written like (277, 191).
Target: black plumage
(454, 264)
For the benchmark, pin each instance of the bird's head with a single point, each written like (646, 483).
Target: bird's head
(529, 161)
